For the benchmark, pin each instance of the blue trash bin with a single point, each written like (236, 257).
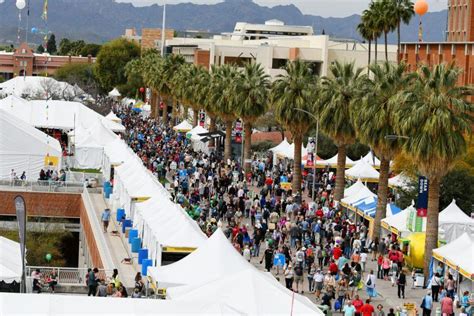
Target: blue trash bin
(142, 255)
(145, 264)
(126, 223)
(132, 233)
(120, 214)
(107, 192)
(136, 244)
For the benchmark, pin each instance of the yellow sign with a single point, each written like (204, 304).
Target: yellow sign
(178, 249)
(285, 186)
(51, 161)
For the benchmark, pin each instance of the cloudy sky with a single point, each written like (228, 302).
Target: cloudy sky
(337, 8)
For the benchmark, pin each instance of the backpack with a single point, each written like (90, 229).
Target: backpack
(298, 270)
(369, 282)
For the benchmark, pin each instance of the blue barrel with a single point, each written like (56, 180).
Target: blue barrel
(142, 255)
(132, 233)
(107, 184)
(145, 264)
(126, 223)
(136, 244)
(107, 192)
(120, 214)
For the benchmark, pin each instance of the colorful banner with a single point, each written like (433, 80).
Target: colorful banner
(422, 201)
(202, 118)
(238, 131)
(310, 158)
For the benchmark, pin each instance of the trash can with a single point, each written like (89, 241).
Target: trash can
(132, 233)
(145, 264)
(136, 244)
(126, 223)
(120, 214)
(142, 255)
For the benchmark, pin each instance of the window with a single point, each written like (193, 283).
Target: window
(278, 63)
(23, 63)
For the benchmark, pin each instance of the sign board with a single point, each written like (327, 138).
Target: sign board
(422, 201)
(202, 118)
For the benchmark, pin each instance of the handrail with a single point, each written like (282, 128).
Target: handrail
(42, 185)
(97, 231)
(66, 275)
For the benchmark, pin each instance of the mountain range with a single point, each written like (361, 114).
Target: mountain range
(102, 20)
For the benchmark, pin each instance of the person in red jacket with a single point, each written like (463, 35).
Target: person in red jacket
(337, 252)
(333, 269)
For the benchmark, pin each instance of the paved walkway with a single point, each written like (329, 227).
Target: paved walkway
(117, 245)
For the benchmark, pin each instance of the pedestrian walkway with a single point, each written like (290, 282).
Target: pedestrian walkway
(117, 246)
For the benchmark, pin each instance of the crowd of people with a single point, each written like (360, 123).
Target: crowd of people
(301, 239)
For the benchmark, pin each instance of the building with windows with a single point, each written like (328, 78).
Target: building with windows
(460, 21)
(271, 28)
(23, 61)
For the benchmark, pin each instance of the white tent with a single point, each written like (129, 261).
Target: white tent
(198, 145)
(400, 181)
(359, 195)
(454, 222)
(59, 305)
(215, 259)
(10, 261)
(114, 118)
(371, 159)
(333, 161)
(114, 93)
(280, 147)
(251, 291)
(40, 88)
(362, 170)
(289, 152)
(24, 148)
(398, 223)
(458, 254)
(56, 114)
(353, 189)
(184, 126)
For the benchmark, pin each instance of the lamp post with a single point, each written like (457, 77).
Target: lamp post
(163, 36)
(315, 149)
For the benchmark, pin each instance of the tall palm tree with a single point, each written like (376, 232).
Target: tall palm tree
(340, 89)
(290, 94)
(402, 12)
(364, 30)
(373, 117)
(251, 91)
(437, 117)
(374, 22)
(222, 100)
(170, 69)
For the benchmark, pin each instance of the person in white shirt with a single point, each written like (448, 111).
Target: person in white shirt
(363, 259)
(246, 253)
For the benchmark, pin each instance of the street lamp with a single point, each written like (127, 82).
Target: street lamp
(315, 149)
(163, 37)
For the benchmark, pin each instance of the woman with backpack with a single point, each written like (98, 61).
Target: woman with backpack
(289, 276)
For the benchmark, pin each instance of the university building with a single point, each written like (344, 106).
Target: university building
(24, 61)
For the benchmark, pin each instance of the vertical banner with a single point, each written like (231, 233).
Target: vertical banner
(21, 219)
(310, 149)
(422, 201)
(238, 131)
(202, 118)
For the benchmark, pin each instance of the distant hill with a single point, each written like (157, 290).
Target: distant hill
(102, 20)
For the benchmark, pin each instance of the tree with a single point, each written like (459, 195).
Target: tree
(436, 116)
(222, 100)
(340, 89)
(373, 117)
(373, 19)
(51, 45)
(251, 91)
(81, 75)
(110, 64)
(64, 47)
(40, 49)
(364, 30)
(295, 91)
(90, 49)
(402, 11)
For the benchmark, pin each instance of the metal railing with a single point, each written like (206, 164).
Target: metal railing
(75, 176)
(42, 186)
(67, 276)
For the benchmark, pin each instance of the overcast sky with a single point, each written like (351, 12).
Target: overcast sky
(326, 8)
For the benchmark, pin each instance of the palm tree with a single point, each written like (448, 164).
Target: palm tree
(402, 12)
(437, 117)
(374, 22)
(373, 117)
(222, 100)
(293, 94)
(364, 30)
(340, 89)
(170, 69)
(251, 91)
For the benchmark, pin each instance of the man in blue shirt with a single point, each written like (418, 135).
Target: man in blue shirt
(427, 304)
(106, 219)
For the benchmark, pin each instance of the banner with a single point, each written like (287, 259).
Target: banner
(202, 118)
(238, 131)
(311, 154)
(21, 219)
(422, 201)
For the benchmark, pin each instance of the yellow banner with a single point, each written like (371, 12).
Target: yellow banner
(51, 161)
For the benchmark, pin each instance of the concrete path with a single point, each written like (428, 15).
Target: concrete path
(117, 245)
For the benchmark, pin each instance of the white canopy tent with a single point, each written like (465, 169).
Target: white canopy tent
(400, 181)
(333, 161)
(251, 291)
(10, 261)
(24, 148)
(353, 189)
(184, 126)
(458, 254)
(216, 258)
(371, 159)
(64, 115)
(197, 144)
(59, 305)
(40, 88)
(113, 117)
(397, 223)
(364, 171)
(283, 146)
(362, 193)
(454, 222)
(114, 93)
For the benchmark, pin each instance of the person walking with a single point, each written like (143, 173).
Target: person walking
(401, 282)
(435, 286)
(447, 308)
(370, 284)
(92, 282)
(318, 282)
(367, 309)
(349, 309)
(427, 304)
(289, 276)
(106, 219)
